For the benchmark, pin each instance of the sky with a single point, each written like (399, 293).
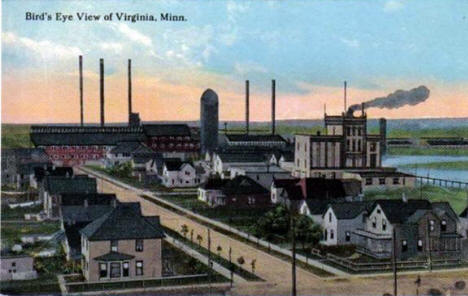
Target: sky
(308, 47)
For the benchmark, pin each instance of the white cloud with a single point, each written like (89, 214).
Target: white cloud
(393, 5)
(112, 46)
(245, 68)
(132, 34)
(350, 42)
(45, 48)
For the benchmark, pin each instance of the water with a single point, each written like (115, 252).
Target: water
(401, 160)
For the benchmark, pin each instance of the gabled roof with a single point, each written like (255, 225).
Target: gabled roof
(443, 207)
(78, 199)
(241, 157)
(317, 206)
(398, 211)
(174, 164)
(464, 213)
(40, 172)
(125, 221)
(152, 130)
(129, 147)
(214, 183)
(242, 185)
(81, 214)
(280, 183)
(77, 184)
(350, 210)
(254, 138)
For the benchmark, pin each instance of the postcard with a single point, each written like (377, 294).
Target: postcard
(234, 147)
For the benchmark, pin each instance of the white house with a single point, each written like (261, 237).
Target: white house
(222, 162)
(18, 267)
(179, 174)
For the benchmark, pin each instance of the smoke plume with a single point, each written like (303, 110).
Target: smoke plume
(397, 99)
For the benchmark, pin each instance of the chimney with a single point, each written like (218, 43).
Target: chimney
(101, 70)
(383, 136)
(81, 90)
(129, 90)
(273, 107)
(247, 106)
(363, 107)
(345, 85)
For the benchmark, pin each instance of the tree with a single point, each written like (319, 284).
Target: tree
(219, 249)
(254, 261)
(241, 260)
(199, 239)
(273, 223)
(191, 235)
(306, 231)
(184, 230)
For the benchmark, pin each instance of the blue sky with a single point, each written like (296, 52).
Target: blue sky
(378, 46)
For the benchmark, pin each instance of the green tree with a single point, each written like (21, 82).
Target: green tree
(254, 261)
(241, 260)
(219, 249)
(306, 231)
(199, 239)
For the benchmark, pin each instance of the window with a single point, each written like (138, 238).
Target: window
(396, 181)
(379, 211)
(348, 236)
(102, 270)
(325, 235)
(359, 131)
(13, 264)
(348, 145)
(139, 268)
(373, 147)
(431, 225)
(420, 245)
(404, 245)
(382, 181)
(139, 245)
(443, 225)
(332, 234)
(115, 270)
(384, 225)
(359, 145)
(368, 181)
(125, 269)
(114, 245)
(374, 222)
(329, 217)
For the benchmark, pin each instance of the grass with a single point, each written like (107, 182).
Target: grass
(426, 151)
(18, 213)
(12, 232)
(15, 136)
(456, 197)
(452, 165)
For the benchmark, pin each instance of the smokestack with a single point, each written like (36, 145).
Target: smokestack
(81, 90)
(345, 107)
(247, 106)
(273, 107)
(101, 68)
(383, 136)
(363, 107)
(129, 89)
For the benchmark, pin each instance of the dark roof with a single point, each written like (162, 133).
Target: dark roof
(60, 185)
(214, 183)
(114, 256)
(40, 172)
(241, 185)
(464, 213)
(317, 206)
(152, 130)
(350, 210)
(288, 156)
(88, 135)
(130, 147)
(173, 164)
(441, 207)
(280, 183)
(241, 157)
(78, 199)
(73, 236)
(124, 222)
(382, 173)
(254, 138)
(78, 214)
(398, 211)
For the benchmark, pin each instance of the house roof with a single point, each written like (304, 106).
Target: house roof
(78, 214)
(78, 199)
(214, 183)
(317, 206)
(443, 207)
(254, 138)
(382, 174)
(130, 147)
(173, 164)
(125, 221)
(280, 183)
(464, 213)
(152, 130)
(73, 237)
(114, 256)
(242, 185)
(60, 185)
(398, 211)
(40, 172)
(241, 157)
(350, 210)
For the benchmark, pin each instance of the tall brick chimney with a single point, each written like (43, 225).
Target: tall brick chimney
(273, 106)
(247, 106)
(101, 71)
(129, 89)
(81, 90)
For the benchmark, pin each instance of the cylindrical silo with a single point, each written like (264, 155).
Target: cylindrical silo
(208, 121)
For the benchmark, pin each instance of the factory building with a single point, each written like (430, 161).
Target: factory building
(209, 121)
(346, 145)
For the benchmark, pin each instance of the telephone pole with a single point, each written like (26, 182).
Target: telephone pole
(395, 283)
(293, 232)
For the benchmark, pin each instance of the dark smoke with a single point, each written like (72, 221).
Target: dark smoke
(397, 99)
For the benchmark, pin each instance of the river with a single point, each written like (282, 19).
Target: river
(402, 160)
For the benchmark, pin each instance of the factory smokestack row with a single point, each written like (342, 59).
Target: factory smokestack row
(129, 89)
(101, 71)
(273, 106)
(247, 106)
(81, 90)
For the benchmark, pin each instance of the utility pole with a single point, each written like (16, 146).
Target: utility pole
(428, 237)
(395, 283)
(231, 267)
(293, 233)
(209, 262)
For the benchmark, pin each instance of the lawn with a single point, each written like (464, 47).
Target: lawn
(15, 136)
(455, 165)
(18, 213)
(12, 232)
(456, 197)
